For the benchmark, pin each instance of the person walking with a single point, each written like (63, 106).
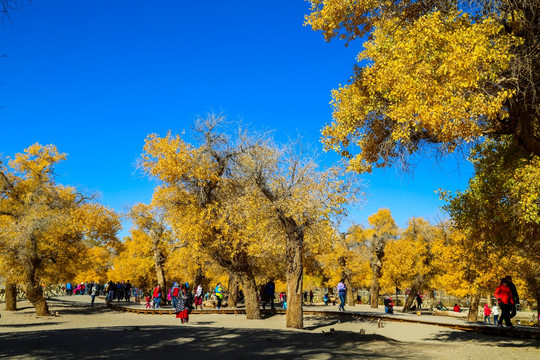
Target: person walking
(219, 295)
(175, 292)
(496, 312)
(183, 305)
(311, 296)
(111, 289)
(69, 288)
(94, 293)
(515, 296)
(148, 302)
(157, 296)
(419, 301)
(198, 296)
(127, 291)
(504, 297)
(487, 314)
(342, 291)
(271, 292)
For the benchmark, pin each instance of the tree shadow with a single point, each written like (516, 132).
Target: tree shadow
(67, 307)
(320, 321)
(21, 326)
(463, 336)
(188, 342)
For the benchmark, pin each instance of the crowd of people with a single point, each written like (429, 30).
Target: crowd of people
(181, 298)
(119, 291)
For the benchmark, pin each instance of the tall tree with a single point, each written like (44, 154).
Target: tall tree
(207, 199)
(46, 226)
(299, 196)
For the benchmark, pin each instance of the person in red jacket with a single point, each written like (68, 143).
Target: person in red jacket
(487, 314)
(504, 297)
(157, 296)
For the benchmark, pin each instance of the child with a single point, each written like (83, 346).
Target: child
(487, 313)
(495, 311)
(148, 304)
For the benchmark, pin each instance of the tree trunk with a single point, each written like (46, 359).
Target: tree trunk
(295, 272)
(473, 309)
(375, 286)
(250, 295)
(415, 288)
(233, 290)
(240, 267)
(488, 297)
(34, 290)
(11, 297)
(377, 244)
(538, 308)
(347, 278)
(159, 260)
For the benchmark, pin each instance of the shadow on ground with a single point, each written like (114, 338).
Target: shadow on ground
(65, 306)
(159, 342)
(507, 341)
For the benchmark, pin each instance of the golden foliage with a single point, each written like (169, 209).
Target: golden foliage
(434, 80)
(46, 229)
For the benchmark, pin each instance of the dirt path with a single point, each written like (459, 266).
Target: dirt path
(83, 332)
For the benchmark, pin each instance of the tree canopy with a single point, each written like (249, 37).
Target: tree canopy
(440, 74)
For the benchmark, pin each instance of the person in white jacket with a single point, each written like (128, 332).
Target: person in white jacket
(198, 296)
(495, 311)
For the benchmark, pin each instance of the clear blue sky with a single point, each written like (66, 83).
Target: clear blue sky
(96, 77)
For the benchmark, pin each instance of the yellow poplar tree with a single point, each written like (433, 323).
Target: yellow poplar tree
(432, 75)
(135, 262)
(399, 265)
(346, 259)
(150, 220)
(94, 265)
(299, 196)
(501, 207)
(421, 235)
(46, 226)
(382, 230)
(209, 201)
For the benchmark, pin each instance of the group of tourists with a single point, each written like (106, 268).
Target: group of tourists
(118, 291)
(181, 298)
(121, 290)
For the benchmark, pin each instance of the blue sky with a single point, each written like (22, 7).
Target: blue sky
(96, 77)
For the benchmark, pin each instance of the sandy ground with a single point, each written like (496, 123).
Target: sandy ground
(83, 332)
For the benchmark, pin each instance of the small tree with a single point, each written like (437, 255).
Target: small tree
(382, 229)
